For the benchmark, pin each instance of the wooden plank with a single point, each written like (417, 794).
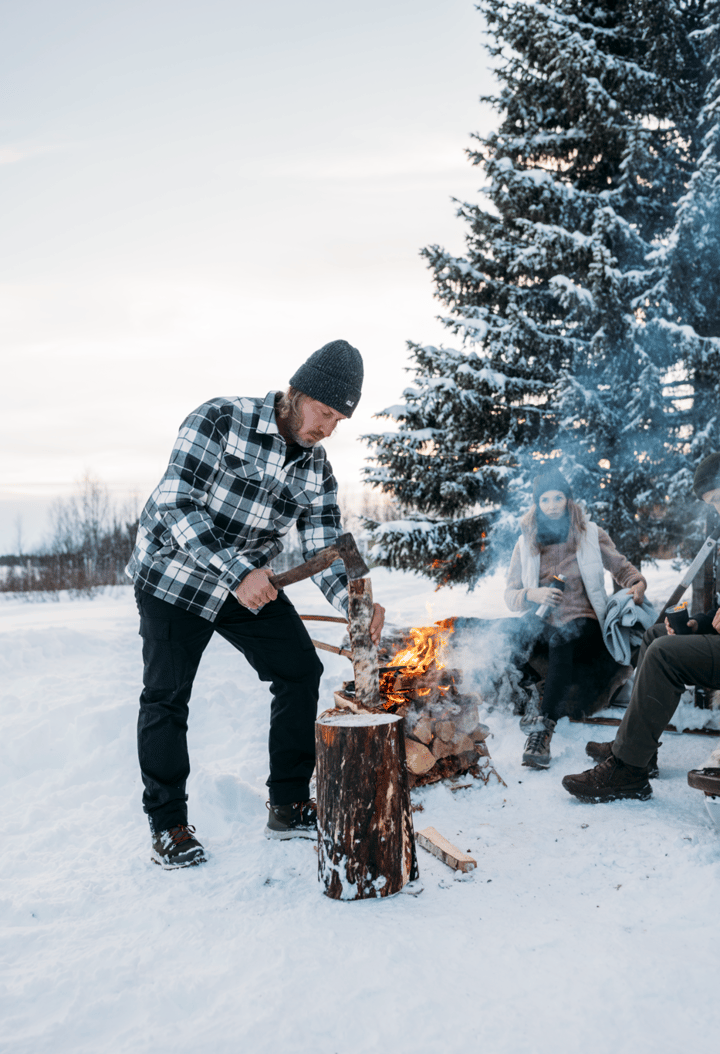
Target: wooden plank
(447, 852)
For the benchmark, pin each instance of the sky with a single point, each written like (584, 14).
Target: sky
(194, 198)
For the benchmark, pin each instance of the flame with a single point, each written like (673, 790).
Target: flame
(429, 644)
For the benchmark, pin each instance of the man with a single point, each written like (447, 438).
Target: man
(241, 473)
(666, 664)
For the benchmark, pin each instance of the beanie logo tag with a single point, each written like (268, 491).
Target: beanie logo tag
(349, 402)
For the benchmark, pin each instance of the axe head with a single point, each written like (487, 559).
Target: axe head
(349, 553)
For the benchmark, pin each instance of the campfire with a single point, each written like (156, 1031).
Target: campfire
(443, 734)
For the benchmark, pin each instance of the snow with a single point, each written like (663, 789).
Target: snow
(583, 928)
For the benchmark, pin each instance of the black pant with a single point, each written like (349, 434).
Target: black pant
(275, 643)
(515, 641)
(580, 638)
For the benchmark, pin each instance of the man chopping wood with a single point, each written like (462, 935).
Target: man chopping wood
(667, 662)
(241, 473)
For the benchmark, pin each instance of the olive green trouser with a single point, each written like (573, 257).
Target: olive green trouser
(666, 664)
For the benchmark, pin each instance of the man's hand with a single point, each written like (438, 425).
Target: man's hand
(716, 621)
(378, 621)
(255, 590)
(692, 626)
(637, 592)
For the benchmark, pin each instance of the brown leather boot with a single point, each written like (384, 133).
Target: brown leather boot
(602, 751)
(608, 781)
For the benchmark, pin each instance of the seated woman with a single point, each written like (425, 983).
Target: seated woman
(558, 539)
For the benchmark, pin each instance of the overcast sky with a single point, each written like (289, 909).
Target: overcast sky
(197, 196)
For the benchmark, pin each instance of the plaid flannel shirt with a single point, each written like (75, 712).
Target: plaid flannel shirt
(224, 504)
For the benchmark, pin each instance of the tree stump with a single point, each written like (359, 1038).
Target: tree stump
(366, 842)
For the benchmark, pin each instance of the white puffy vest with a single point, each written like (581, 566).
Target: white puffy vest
(590, 565)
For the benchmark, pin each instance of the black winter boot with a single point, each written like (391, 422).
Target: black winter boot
(298, 820)
(177, 847)
(608, 781)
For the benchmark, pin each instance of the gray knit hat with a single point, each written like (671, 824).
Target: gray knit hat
(333, 375)
(550, 479)
(707, 475)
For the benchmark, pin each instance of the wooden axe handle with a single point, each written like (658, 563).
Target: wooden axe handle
(344, 549)
(311, 567)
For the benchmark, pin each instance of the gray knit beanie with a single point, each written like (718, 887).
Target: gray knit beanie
(333, 375)
(550, 479)
(707, 475)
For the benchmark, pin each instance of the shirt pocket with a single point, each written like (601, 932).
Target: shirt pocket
(291, 500)
(237, 494)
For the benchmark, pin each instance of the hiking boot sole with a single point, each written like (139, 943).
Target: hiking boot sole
(536, 763)
(202, 859)
(611, 794)
(297, 832)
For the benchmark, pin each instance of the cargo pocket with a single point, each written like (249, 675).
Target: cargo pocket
(160, 661)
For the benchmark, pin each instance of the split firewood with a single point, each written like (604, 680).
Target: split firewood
(445, 730)
(422, 730)
(467, 719)
(419, 758)
(447, 852)
(441, 749)
(462, 744)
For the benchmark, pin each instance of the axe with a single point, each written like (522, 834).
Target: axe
(707, 547)
(343, 549)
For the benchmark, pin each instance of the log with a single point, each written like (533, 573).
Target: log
(366, 843)
(364, 652)
(462, 744)
(422, 730)
(441, 749)
(445, 730)
(447, 852)
(419, 758)
(468, 718)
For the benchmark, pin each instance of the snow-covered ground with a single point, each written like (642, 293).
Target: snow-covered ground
(584, 928)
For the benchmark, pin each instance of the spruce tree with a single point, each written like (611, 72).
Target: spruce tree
(584, 172)
(684, 306)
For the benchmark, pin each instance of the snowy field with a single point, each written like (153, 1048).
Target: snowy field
(585, 928)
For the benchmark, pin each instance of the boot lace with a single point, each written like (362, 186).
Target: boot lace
(181, 833)
(536, 741)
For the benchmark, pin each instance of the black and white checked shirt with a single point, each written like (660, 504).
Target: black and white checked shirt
(224, 504)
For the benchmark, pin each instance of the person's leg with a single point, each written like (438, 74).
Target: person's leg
(278, 647)
(173, 643)
(578, 635)
(668, 663)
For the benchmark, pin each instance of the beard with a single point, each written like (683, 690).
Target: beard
(306, 442)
